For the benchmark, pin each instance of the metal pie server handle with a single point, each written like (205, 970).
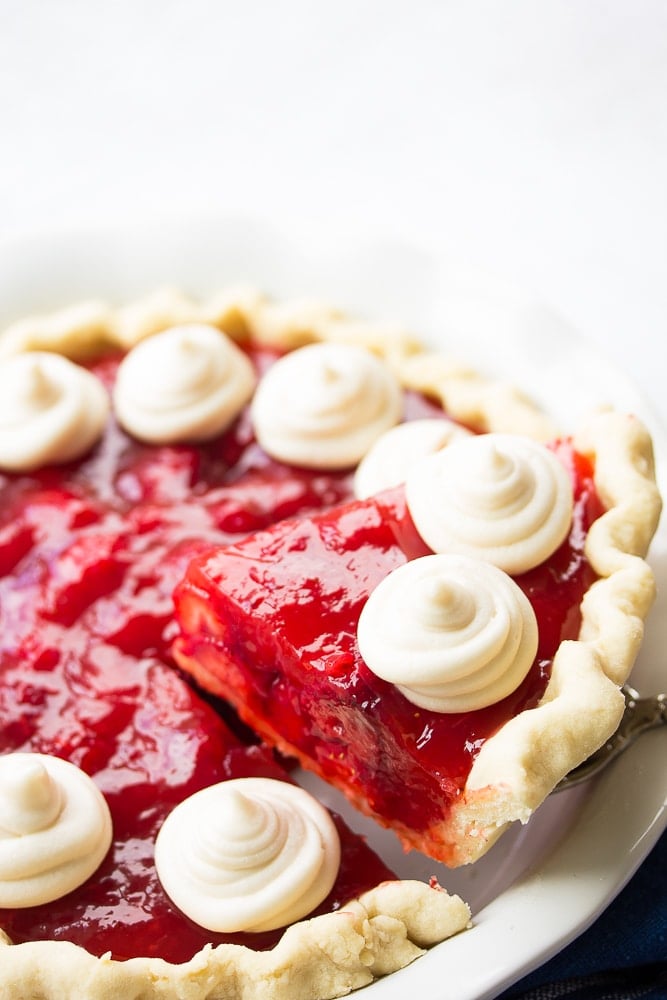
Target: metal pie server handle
(640, 715)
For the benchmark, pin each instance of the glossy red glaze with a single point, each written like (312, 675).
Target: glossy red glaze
(89, 555)
(270, 624)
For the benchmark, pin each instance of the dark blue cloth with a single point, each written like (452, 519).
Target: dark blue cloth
(622, 956)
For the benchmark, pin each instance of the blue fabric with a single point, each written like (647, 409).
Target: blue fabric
(622, 956)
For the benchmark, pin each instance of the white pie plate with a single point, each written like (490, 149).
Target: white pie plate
(543, 884)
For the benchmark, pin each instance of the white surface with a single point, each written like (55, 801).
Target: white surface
(540, 885)
(526, 139)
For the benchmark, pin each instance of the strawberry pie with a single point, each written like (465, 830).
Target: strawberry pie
(239, 535)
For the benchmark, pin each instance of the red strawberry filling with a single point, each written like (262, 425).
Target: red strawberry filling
(270, 624)
(89, 556)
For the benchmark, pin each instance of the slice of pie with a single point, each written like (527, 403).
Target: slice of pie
(273, 624)
(154, 459)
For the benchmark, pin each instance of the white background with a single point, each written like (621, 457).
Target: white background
(527, 138)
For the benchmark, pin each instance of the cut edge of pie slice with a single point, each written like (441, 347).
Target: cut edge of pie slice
(220, 604)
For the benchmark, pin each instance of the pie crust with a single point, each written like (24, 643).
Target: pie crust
(388, 927)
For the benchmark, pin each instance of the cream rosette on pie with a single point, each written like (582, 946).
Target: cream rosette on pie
(248, 854)
(187, 383)
(55, 828)
(453, 633)
(389, 926)
(389, 460)
(51, 411)
(325, 405)
(497, 497)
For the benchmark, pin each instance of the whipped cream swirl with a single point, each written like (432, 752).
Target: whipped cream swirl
(389, 460)
(502, 497)
(55, 828)
(453, 633)
(324, 405)
(187, 383)
(51, 411)
(250, 854)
